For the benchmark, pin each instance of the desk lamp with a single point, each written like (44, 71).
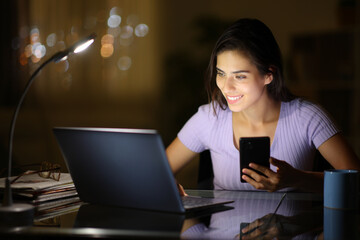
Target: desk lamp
(21, 214)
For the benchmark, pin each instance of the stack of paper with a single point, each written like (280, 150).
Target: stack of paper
(49, 197)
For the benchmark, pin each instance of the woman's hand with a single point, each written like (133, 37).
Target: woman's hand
(285, 176)
(181, 190)
(274, 226)
(267, 227)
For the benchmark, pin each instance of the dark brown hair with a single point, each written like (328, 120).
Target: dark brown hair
(255, 40)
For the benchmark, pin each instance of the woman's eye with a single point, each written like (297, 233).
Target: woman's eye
(240, 77)
(220, 74)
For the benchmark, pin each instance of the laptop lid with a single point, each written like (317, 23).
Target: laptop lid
(120, 167)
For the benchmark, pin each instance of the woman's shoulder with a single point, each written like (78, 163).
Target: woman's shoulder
(299, 103)
(205, 117)
(302, 106)
(212, 111)
(197, 131)
(304, 111)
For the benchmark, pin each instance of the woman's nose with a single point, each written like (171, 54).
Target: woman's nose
(228, 83)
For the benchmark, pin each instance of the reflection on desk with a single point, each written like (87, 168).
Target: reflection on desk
(300, 216)
(124, 218)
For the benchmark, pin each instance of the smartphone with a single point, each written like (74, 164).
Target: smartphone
(256, 150)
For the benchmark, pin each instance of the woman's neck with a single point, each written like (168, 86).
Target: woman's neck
(265, 111)
(259, 121)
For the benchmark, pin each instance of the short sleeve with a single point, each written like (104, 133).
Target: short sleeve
(195, 130)
(317, 122)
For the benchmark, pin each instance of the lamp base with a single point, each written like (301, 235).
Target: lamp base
(17, 215)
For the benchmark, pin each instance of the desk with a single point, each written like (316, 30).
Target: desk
(300, 215)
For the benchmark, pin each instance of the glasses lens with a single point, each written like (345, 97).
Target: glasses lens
(45, 174)
(49, 170)
(55, 174)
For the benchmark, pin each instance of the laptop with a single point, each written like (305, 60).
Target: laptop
(124, 167)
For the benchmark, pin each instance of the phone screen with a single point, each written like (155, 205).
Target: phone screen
(256, 150)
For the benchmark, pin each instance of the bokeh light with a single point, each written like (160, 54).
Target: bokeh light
(51, 40)
(107, 50)
(115, 11)
(107, 39)
(141, 30)
(114, 21)
(28, 50)
(120, 31)
(35, 59)
(34, 35)
(124, 63)
(39, 50)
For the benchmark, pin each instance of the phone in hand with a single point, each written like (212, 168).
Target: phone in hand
(255, 150)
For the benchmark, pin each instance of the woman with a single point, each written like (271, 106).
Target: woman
(249, 98)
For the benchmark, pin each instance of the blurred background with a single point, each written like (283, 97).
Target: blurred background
(146, 67)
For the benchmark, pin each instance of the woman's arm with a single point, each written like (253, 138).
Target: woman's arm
(339, 154)
(178, 155)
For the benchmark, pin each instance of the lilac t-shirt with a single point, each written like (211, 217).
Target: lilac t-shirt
(301, 129)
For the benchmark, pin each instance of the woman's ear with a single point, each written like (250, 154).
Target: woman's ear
(269, 76)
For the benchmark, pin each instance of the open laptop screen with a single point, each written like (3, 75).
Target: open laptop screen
(121, 167)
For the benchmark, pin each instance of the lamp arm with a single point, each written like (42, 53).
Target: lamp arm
(7, 200)
(57, 57)
(22, 214)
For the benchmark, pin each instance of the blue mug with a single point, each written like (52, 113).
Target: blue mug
(341, 189)
(340, 224)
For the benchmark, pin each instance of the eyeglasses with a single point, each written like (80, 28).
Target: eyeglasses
(47, 170)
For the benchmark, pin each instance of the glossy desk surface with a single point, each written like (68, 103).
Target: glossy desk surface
(299, 216)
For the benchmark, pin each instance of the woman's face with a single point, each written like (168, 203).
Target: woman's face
(239, 80)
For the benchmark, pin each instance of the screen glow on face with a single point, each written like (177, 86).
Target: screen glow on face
(239, 80)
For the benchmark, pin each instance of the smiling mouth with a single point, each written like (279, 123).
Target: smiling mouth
(233, 99)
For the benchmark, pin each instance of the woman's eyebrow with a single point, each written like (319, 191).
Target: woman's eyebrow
(241, 71)
(238, 71)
